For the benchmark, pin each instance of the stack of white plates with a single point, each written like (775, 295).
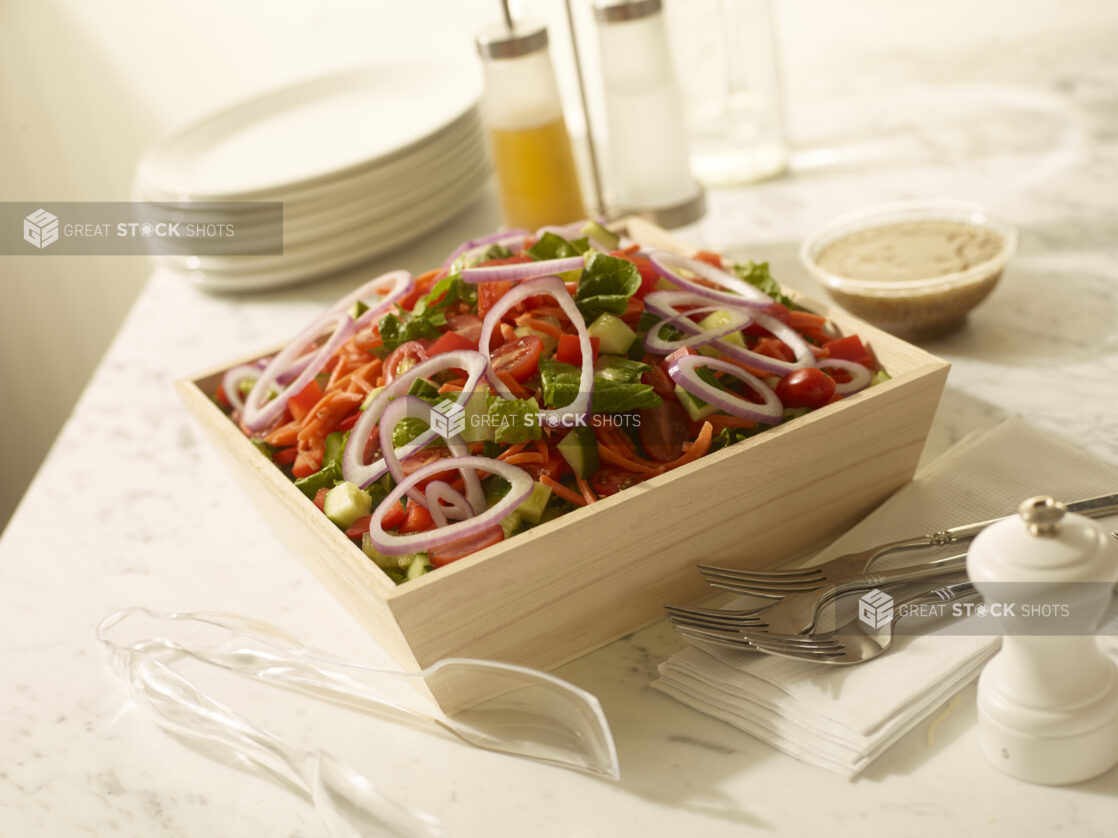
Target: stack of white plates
(363, 162)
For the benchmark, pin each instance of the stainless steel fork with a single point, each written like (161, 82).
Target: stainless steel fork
(771, 583)
(797, 612)
(853, 642)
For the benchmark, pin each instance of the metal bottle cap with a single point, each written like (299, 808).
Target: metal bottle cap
(498, 41)
(1042, 515)
(618, 11)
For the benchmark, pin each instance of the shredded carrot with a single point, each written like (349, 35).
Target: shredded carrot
(512, 450)
(508, 334)
(719, 422)
(284, 435)
(542, 326)
(546, 311)
(562, 491)
(450, 387)
(542, 449)
(525, 457)
(513, 385)
(697, 449)
(617, 459)
(587, 492)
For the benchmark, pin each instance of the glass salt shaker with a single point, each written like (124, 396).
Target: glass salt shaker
(536, 175)
(649, 171)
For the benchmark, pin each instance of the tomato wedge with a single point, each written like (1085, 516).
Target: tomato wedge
(450, 342)
(358, 528)
(403, 358)
(426, 457)
(489, 292)
(520, 358)
(850, 348)
(663, 430)
(416, 519)
(394, 516)
(455, 550)
(570, 352)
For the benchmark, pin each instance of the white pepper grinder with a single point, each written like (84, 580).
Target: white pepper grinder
(1047, 704)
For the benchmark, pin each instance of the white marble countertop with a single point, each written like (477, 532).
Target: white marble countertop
(132, 507)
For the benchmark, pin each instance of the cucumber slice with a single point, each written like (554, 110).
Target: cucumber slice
(580, 449)
(417, 566)
(615, 335)
(600, 234)
(694, 409)
(532, 509)
(478, 428)
(424, 388)
(511, 524)
(345, 503)
(720, 320)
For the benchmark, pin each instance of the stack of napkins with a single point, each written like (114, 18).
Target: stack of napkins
(843, 717)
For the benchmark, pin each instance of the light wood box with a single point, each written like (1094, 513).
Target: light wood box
(567, 587)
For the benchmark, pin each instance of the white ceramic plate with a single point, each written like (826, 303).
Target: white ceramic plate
(353, 250)
(311, 132)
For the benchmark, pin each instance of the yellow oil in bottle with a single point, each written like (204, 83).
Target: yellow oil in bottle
(536, 175)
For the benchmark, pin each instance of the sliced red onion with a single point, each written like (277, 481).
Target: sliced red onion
(666, 303)
(522, 270)
(258, 413)
(654, 343)
(388, 288)
(550, 286)
(860, 377)
(445, 502)
(668, 264)
(413, 407)
(354, 468)
(231, 383)
(520, 487)
(683, 372)
(501, 237)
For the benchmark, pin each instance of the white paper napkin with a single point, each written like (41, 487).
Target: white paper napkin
(842, 718)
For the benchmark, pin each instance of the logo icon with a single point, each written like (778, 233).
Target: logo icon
(875, 609)
(448, 418)
(40, 228)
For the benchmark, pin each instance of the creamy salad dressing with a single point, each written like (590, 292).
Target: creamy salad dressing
(910, 251)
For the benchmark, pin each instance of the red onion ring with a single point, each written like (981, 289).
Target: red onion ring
(501, 237)
(520, 487)
(860, 377)
(354, 468)
(664, 304)
(438, 493)
(654, 343)
(389, 288)
(682, 372)
(404, 407)
(231, 383)
(522, 270)
(550, 286)
(667, 264)
(258, 414)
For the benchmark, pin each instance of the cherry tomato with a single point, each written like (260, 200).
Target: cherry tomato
(425, 458)
(450, 342)
(850, 348)
(807, 387)
(553, 468)
(403, 358)
(663, 430)
(570, 352)
(519, 358)
(610, 481)
(455, 550)
(658, 379)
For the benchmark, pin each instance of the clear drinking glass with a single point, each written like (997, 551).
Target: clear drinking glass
(726, 57)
